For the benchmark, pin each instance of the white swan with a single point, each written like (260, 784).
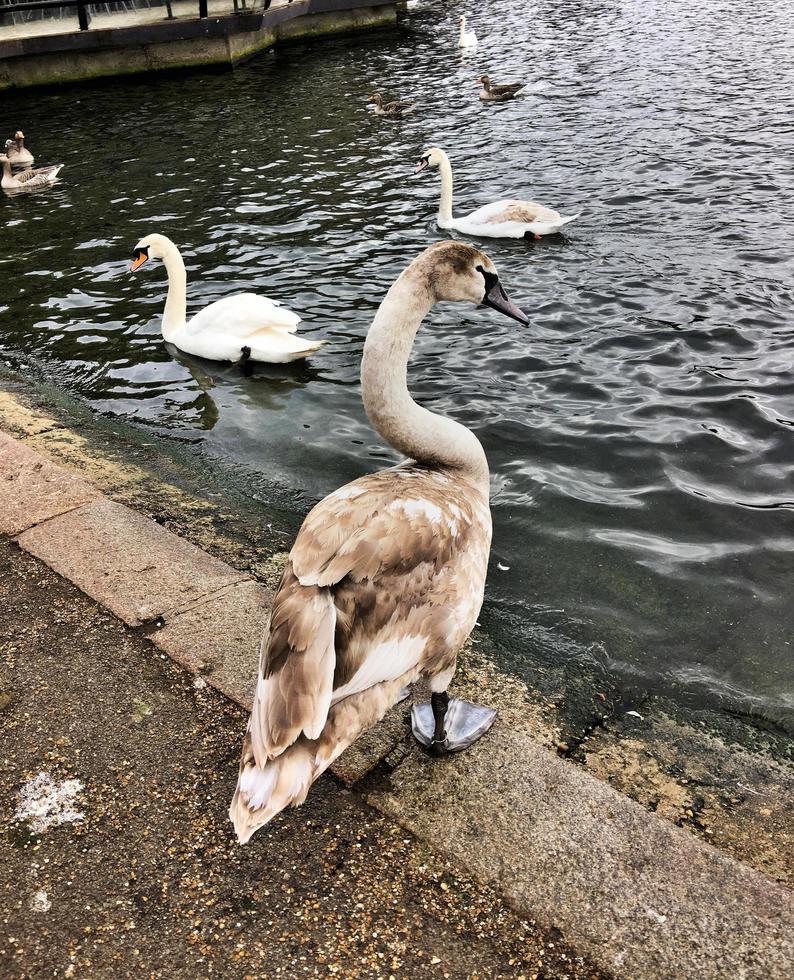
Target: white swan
(467, 39)
(237, 328)
(386, 577)
(502, 219)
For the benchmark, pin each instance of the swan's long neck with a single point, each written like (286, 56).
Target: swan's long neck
(414, 431)
(445, 204)
(462, 29)
(175, 313)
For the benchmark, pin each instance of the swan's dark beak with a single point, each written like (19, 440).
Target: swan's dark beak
(422, 165)
(497, 299)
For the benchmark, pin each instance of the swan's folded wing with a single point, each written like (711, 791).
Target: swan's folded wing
(244, 315)
(386, 523)
(353, 608)
(511, 219)
(296, 668)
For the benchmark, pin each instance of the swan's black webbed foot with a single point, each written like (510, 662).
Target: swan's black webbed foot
(449, 724)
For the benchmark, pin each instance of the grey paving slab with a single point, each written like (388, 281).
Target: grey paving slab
(644, 898)
(219, 638)
(130, 564)
(32, 489)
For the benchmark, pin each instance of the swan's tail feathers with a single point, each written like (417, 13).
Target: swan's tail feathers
(265, 790)
(262, 792)
(281, 347)
(573, 217)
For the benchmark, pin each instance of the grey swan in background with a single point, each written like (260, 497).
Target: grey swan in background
(387, 574)
(502, 219)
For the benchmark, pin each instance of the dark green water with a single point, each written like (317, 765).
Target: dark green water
(640, 433)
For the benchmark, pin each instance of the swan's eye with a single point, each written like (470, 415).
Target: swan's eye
(490, 278)
(143, 252)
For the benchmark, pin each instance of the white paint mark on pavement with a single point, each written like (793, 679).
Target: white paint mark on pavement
(45, 803)
(40, 902)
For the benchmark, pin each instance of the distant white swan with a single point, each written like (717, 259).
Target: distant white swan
(242, 327)
(502, 219)
(467, 39)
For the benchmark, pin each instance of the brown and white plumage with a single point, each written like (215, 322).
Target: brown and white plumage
(386, 577)
(497, 93)
(27, 180)
(500, 219)
(390, 108)
(17, 152)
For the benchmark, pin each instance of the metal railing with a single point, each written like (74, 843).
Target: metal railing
(84, 16)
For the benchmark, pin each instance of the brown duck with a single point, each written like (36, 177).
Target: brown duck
(390, 108)
(497, 93)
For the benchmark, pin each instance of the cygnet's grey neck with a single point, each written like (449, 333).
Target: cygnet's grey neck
(414, 431)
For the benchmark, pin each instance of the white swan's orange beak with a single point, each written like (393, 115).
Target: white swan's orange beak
(140, 256)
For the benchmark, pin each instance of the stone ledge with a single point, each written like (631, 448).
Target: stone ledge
(640, 897)
(33, 490)
(218, 639)
(130, 564)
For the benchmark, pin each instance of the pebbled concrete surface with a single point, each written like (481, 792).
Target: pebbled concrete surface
(643, 898)
(149, 883)
(128, 563)
(32, 489)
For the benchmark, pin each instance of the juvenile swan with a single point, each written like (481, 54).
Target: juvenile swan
(386, 577)
(502, 219)
(237, 328)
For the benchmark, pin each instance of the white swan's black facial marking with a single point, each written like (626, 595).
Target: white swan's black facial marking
(423, 164)
(139, 256)
(497, 298)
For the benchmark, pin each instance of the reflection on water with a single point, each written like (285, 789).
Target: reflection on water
(639, 433)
